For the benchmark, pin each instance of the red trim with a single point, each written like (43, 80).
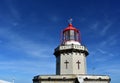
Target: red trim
(70, 27)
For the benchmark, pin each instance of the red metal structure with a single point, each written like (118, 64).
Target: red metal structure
(70, 34)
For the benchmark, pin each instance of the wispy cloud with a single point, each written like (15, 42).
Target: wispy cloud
(110, 41)
(15, 14)
(27, 66)
(105, 67)
(110, 69)
(101, 55)
(101, 28)
(16, 42)
(95, 26)
(102, 51)
(12, 16)
(105, 29)
(39, 55)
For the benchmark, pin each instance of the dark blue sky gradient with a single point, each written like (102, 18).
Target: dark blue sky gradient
(30, 30)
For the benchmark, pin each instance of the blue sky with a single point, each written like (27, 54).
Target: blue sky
(30, 30)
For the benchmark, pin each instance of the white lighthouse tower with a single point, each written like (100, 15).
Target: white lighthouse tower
(70, 54)
(71, 61)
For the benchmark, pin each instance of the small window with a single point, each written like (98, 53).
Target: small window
(76, 36)
(72, 35)
(67, 35)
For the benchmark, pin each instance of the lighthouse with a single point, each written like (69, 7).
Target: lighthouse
(71, 61)
(70, 54)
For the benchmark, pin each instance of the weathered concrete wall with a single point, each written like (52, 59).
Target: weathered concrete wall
(72, 79)
(71, 59)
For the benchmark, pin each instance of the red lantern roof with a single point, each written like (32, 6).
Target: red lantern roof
(70, 27)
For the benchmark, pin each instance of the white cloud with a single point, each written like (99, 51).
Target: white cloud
(100, 28)
(13, 10)
(111, 69)
(3, 81)
(102, 51)
(101, 54)
(95, 26)
(105, 29)
(38, 51)
(110, 41)
(27, 66)
(16, 42)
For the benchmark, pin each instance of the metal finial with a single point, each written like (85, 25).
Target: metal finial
(70, 21)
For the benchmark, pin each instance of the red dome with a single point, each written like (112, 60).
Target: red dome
(70, 27)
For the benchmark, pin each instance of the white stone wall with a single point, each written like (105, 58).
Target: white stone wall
(71, 62)
(82, 66)
(72, 66)
(66, 57)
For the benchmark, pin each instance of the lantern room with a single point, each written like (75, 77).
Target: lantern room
(70, 35)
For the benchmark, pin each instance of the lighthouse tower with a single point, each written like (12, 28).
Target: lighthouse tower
(71, 54)
(71, 61)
